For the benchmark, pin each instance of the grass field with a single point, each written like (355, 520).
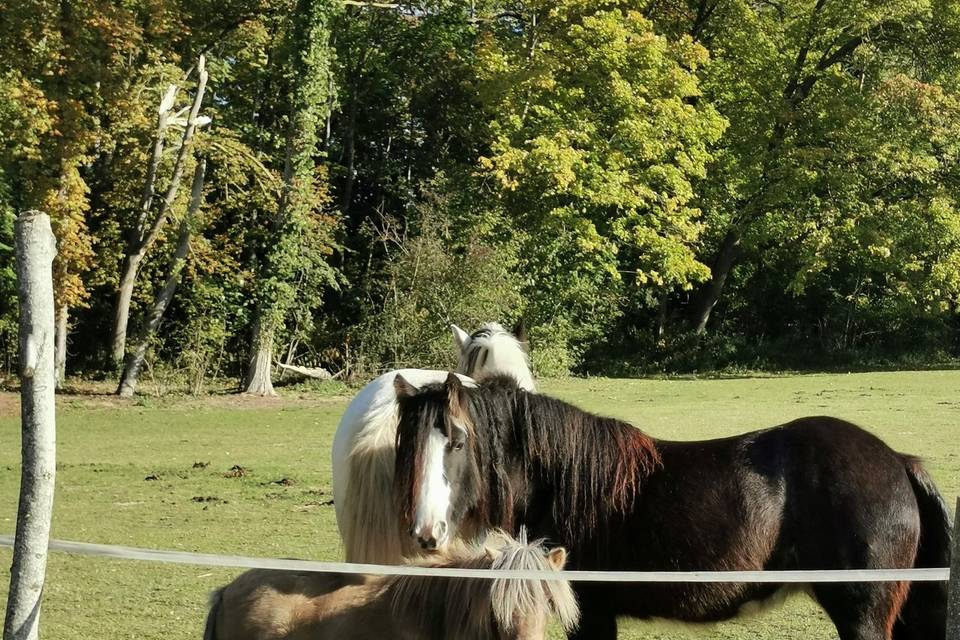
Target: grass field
(156, 473)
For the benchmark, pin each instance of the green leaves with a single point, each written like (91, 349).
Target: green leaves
(596, 146)
(595, 165)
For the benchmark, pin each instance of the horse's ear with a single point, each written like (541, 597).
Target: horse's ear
(557, 558)
(455, 394)
(403, 388)
(460, 337)
(520, 333)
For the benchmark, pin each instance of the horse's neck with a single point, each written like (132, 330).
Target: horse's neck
(578, 471)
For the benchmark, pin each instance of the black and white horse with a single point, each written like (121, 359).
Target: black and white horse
(363, 446)
(816, 493)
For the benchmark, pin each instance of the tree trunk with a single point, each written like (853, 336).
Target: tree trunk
(723, 262)
(349, 153)
(36, 249)
(662, 309)
(147, 230)
(60, 357)
(260, 366)
(131, 265)
(135, 360)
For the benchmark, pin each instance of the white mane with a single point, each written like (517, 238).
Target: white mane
(492, 350)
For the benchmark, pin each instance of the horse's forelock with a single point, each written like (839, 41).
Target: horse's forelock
(417, 417)
(463, 605)
(484, 496)
(487, 330)
(513, 599)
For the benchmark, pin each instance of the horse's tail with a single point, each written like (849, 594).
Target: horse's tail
(216, 602)
(371, 522)
(924, 613)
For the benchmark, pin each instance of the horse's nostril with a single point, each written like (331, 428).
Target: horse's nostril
(427, 543)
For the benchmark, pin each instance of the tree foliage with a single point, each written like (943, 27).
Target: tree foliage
(668, 185)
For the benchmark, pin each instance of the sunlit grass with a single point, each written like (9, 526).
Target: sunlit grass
(279, 505)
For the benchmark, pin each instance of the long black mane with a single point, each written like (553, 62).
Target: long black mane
(596, 465)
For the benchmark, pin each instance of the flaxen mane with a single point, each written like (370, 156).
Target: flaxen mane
(596, 464)
(461, 607)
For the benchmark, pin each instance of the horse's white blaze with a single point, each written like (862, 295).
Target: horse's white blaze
(433, 498)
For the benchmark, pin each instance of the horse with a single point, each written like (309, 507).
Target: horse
(292, 605)
(814, 493)
(363, 446)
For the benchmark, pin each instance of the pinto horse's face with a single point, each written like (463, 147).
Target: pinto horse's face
(436, 481)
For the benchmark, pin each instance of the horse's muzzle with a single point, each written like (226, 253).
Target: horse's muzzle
(430, 537)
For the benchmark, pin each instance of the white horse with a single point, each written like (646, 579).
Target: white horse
(364, 444)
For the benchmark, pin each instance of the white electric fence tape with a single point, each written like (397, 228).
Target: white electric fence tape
(211, 560)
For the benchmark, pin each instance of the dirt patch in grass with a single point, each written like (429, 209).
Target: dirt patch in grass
(9, 404)
(236, 471)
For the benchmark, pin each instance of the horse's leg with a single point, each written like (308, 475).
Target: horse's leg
(595, 624)
(862, 611)
(598, 621)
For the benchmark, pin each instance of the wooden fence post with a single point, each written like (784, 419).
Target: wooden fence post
(953, 603)
(35, 248)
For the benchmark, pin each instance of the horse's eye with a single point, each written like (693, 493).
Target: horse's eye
(458, 446)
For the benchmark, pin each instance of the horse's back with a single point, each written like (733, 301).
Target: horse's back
(815, 493)
(264, 604)
(850, 499)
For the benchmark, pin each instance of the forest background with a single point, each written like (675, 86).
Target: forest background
(652, 186)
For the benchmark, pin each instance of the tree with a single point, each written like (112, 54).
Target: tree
(59, 77)
(598, 139)
(776, 67)
(135, 359)
(309, 65)
(36, 249)
(149, 223)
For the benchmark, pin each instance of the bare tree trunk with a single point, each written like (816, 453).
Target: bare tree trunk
(36, 249)
(260, 366)
(60, 357)
(349, 154)
(135, 359)
(662, 309)
(131, 266)
(146, 231)
(726, 256)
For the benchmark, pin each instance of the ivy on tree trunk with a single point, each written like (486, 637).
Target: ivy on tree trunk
(310, 59)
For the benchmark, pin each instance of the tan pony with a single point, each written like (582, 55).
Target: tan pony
(291, 605)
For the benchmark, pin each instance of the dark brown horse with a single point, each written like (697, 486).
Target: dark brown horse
(816, 493)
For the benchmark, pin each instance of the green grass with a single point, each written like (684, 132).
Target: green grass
(108, 448)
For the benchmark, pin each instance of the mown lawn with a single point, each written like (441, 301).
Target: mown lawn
(156, 473)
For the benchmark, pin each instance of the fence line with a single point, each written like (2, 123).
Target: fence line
(246, 562)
